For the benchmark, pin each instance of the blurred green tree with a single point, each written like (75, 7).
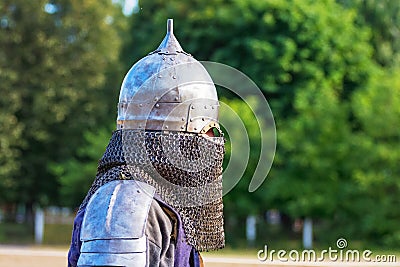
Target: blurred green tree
(383, 18)
(337, 112)
(242, 131)
(312, 164)
(55, 57)
(10, 130)
(375, 151)
(282, 46)
(77, 173)
(308, 58)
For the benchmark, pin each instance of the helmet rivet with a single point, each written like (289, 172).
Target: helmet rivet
(192, 107)
(174, 77)
(157, 105)
(191, 120)
(176, 98)
(212, 107)
(166, 126)
(140, 105)
(159, 76)
(195, 129)
(202, 119)
(182, 127)
(183, 119)
(205, 107)
(156, 99)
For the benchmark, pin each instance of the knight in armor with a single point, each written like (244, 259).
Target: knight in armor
(157, 196)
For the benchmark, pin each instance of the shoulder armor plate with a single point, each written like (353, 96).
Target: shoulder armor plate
(113, 227)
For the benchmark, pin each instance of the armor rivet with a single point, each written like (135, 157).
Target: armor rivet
(138, 191)
(191, 120)
(202, 119)
(140, 105)
(176, 98)
(172, 59)
(183, 119)
(182, 127)
(166, 52)
(212, 107)
(205, 107)
(192, 107)
(174, 77)
(166, 126)
(157, 105)
(159, 76)
(195, 129)
(163, 58)
(156, 99)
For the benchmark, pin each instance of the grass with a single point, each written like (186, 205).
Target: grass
(22, 234)
(233, 252)
(13, 233)
(57, 234)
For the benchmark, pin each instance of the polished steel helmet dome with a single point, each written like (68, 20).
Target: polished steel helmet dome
(168, 90)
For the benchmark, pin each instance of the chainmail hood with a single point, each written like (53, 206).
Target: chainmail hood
(185, 169)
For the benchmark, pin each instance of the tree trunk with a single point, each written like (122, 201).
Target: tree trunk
(39, 225)
(251, 230)
(307, 233)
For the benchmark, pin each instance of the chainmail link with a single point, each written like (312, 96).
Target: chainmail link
(185, 169)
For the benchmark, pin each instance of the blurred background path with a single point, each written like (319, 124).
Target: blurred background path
(18, 256)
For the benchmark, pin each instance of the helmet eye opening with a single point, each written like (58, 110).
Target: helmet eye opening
(213, 132)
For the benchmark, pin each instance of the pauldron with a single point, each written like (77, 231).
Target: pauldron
(113, 227)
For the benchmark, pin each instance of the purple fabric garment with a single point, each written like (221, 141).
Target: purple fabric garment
(185, 254)
(195, 258)
(182, 249)
(75, 248)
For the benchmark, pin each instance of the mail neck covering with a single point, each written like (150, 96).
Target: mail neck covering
(185, 169)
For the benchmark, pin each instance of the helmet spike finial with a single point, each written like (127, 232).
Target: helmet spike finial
(170, 43)
(170, 26)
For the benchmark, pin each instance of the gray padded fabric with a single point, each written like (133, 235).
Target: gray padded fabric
(159, 229)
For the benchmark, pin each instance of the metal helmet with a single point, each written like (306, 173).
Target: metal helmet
(167, 103)
(168, 90)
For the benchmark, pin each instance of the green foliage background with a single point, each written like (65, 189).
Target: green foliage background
(329, 70)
